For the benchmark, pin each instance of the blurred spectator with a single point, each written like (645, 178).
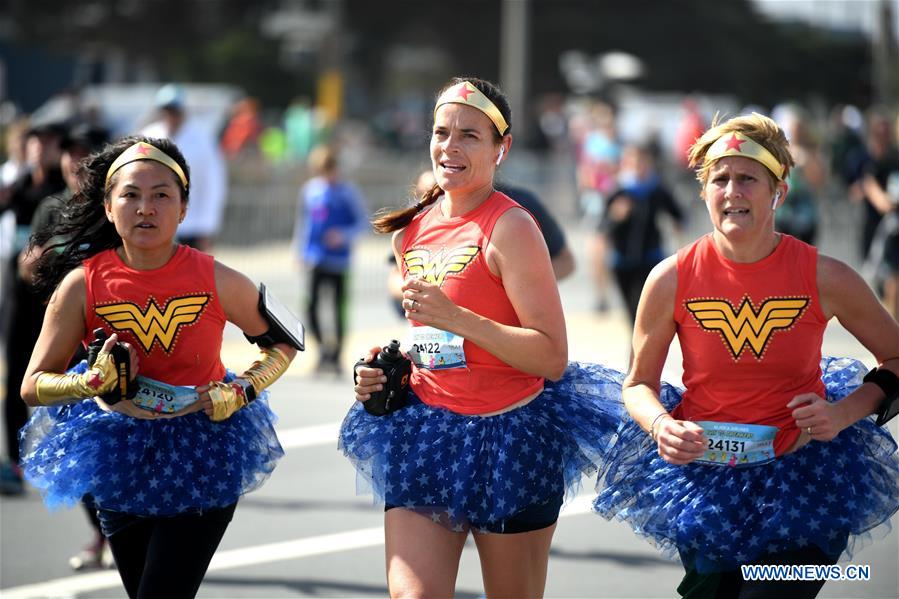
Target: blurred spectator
(25, 308)
(883, 258)
(560, 254)
(798, 214)
(553, 125)
(11, 170)
(597, 168)
(15, 166)
(301, 125)
(77, 144)
(242, 131)
(600, 154)
(845, 141)
(873, 163)
(330, 216)
(690, 128)
(630, 223)
(273, 145)
(208, 175)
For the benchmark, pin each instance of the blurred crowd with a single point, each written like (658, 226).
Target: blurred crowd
(631, 183)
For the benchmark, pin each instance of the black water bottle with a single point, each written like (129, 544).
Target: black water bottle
(127, 387)
(95, 346)
(397, 368)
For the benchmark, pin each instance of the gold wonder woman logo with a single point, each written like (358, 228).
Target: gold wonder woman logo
(434, 270)
(153, 324)
(746, 327)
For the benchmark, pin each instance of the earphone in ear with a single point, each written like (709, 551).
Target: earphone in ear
(775, 200)
(502, 150)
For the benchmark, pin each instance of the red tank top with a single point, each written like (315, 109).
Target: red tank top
(750, 335)
(171, 314)
(451, 251)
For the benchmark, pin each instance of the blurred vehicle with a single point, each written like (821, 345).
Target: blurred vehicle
(125, 108)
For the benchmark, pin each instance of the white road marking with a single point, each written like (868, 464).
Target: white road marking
(308, 436)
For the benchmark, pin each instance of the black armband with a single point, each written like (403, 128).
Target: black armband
(283, 326)
(889, 384)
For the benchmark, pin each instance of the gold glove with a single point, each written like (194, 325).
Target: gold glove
(52, 388)
(226, 398)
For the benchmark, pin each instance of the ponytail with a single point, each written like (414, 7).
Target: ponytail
(398, 219)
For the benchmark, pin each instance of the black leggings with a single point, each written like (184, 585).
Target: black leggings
(630, 282)
(336, 281)
(165, 557)
(730, 584)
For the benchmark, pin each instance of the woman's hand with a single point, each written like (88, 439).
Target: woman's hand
(368, 380)
(680, 441)
(133, 356)
(818, 418)
(425, 303)
(127, 408)
(205, 402)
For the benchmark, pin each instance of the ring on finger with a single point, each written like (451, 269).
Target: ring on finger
(809, 430)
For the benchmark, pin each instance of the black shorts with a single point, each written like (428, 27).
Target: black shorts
(534, 517)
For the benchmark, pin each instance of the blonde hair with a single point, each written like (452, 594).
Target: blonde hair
(761, 129)
(323, 160)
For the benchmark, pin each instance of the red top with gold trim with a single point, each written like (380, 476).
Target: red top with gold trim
(171, 314)
(750, 335)
(450, 252)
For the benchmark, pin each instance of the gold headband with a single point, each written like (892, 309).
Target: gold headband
(737, 144)
(144, 151)
(467, 93)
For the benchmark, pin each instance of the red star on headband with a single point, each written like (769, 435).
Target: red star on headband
(463, 91)
(733, 143)
(143, 149)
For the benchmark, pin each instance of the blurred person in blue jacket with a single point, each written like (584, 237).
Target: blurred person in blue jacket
(330, 216)
(630, 222)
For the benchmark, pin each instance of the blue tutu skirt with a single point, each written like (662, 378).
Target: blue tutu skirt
(148, 467)
(476, 472)
(829, 494)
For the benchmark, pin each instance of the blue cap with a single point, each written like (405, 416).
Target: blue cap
(170, 96)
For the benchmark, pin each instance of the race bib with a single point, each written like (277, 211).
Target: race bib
(157, 396)
(435, 349)
(736, 445)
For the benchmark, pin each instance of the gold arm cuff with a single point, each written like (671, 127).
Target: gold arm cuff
(268, 369)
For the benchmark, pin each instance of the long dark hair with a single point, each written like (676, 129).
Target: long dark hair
(387, 221)
(84, 230)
